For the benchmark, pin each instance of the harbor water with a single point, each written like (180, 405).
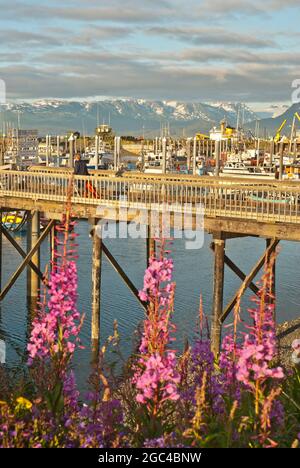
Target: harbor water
(193, 275)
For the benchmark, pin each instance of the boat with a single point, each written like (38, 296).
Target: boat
(241, 170)
(153, 163)
(154, 167)
(14, 221)
(292, 172)
(245, 158)
(104, 159)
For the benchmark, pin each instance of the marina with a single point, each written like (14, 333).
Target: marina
(246, 187)
(149, 228)
(232, 208)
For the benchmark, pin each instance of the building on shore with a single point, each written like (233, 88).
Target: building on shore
(22, 145)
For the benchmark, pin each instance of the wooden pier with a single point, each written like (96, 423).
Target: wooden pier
(232, 208)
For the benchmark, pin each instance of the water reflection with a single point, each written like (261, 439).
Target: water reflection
(193, 275)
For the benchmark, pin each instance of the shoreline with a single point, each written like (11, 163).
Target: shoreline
(287, 332)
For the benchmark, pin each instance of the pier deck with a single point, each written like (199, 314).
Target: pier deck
(244, 206)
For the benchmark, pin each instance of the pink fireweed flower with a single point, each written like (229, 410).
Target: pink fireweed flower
(158, 272)
(253, 363)
(156, 378)
(259, 347)
(56, 328)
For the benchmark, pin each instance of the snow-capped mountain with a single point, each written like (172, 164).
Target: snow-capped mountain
(127, 116)
(272, 124)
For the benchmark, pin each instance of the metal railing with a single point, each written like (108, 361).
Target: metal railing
(234, 198)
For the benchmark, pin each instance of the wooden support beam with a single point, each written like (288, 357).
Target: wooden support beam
(26, 260)
(123, 275)
(96, 291)
(249, 278)
(22, 253)
(237, 270)
(217, 295)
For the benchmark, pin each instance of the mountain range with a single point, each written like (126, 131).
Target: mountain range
(126, 116)
(272, 124)
(135, 116)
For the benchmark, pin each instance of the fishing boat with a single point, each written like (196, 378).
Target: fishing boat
(14, 221)
(153, 162)
(103, 160)
(292, 172)
(154, 167)
(243, 171)
(243, 158)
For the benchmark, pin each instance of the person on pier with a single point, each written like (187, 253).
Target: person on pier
(80, 169)
(80, 166)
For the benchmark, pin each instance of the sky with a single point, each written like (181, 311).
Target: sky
(184, 50)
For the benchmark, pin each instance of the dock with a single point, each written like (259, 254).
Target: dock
(231, 208)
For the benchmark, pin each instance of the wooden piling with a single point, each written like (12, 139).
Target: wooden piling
(96, 152)
(96, 289)
(188, 150)
(195, 156)
(164, 155)
(35, 234)
(216, 331)
(295, 149)
(71, 151)
(33, 280)
(217, 156)
(272, 147)
(47, 150)
(281, 161)
(58, 151)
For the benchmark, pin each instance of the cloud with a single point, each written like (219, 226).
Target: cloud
(157, 49)
(247, 82)
(233, 56)
(238, 8)
(115, 12)
(141, 11)
(92, 34)
(212, 36)
(61, 37)
(14, 37)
